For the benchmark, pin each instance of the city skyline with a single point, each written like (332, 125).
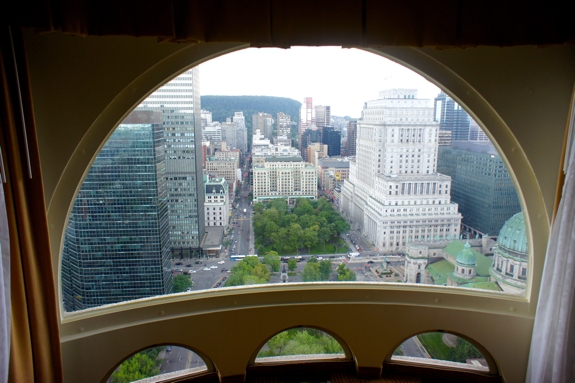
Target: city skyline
(311, 72)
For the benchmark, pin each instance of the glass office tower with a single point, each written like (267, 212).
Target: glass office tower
(179, 102)
(117, 241)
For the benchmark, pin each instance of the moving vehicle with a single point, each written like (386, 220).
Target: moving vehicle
(237, 257)
(351, 255)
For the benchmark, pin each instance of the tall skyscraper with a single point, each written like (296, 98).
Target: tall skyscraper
(229, 134)
(331, 138)
(452, 117)
(352, 138)
(117, 241)
(179, 101)
(284, 125)
(263, 122)
(322, 116)
(394, 194)
(306, 118)
(310, 135)
(480, 185)
(241, 131)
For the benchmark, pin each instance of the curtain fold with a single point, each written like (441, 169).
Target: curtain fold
(552, 356)
(365, 23)
(35, 341)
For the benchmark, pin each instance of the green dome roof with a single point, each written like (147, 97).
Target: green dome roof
(466, 257)
(513, 235)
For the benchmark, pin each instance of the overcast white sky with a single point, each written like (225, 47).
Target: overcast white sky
(341, 78)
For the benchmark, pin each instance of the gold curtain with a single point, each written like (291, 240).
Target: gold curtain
(283, 23)
(35, 340)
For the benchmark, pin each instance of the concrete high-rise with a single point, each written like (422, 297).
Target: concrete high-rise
(394, 194)
(322, 116)
(263, 122)
(352, 138)
(179, 101)
(451, 116)
(283, 125)
(116, 244)
(241, 131)
(306, 118)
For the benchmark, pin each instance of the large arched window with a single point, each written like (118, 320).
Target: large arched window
(183, 196)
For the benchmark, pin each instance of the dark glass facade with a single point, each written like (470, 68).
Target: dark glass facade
(332, 138)
(179, 102)
(451, 117)
(480, 184)
(117, 240)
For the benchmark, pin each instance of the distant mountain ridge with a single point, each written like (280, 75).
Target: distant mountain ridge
(225, 106)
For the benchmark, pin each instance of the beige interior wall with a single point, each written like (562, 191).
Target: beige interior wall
(83, 87)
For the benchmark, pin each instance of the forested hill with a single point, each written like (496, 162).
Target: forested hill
(225, 106)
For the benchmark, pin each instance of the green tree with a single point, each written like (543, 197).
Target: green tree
(137, 367)
(463, 351)
(311, 272)
(292, 264)
(310, 237)
(249, 271)
(180, 283)
(295, 236)
(345, 274)
(273, 259)
(325, 269)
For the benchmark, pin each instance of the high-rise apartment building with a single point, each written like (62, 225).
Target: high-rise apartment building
(481, 185)
(394, 194)
(229, 133)
(451, 116)
(179, 101)
(213, 133)
(283, 125)
(241, 131)
(306, 118)
(322, 116)
(206, 116)
(117, 241)
(352, 138)
(263, 122)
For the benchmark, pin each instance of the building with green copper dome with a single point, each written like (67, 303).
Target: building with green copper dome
(511, 259)
(465, 263)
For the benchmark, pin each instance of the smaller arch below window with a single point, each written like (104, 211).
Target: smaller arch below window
(300, 343)
(443, 349)
(157, 364)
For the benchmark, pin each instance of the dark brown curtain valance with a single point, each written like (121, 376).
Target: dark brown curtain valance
(283, 23)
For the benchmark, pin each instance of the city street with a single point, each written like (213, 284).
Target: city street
(179, 358)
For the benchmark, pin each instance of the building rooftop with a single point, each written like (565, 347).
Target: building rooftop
(213, 238)
(414, 177)
(284, 159)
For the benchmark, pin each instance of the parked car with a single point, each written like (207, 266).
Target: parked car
(179, 263)
(188, 265)
(198, 262)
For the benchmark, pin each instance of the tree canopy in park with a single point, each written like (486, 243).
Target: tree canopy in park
(249, 271)
(315, 270)
(310, 223)
(139, 366)
(300, 341)
(345, 274)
